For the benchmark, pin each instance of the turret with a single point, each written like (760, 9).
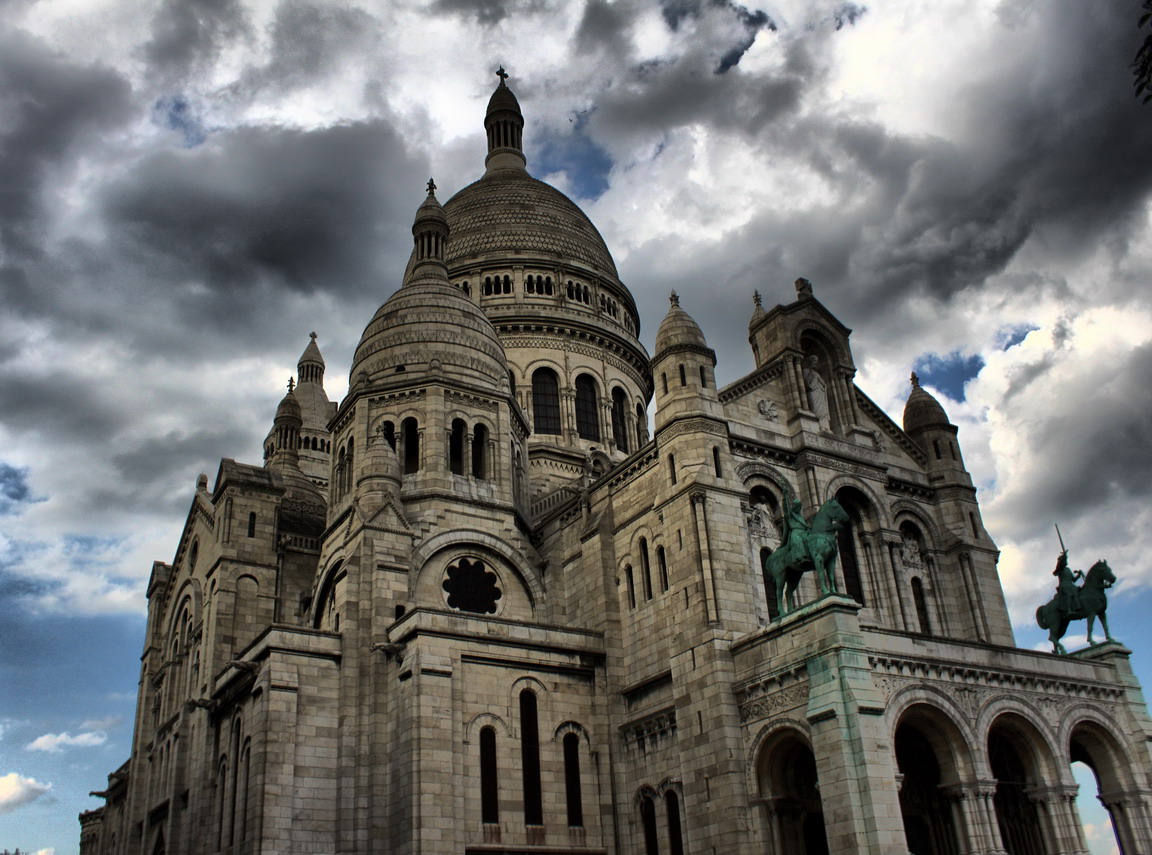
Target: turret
(312, 443)
(683, 368)
(927, 424)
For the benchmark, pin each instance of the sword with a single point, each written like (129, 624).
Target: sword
(1063, 548)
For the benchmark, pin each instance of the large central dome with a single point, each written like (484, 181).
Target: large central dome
(508, 209)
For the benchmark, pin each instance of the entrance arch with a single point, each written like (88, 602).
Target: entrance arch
(790, 792)
(926, 744)
(1016, 766)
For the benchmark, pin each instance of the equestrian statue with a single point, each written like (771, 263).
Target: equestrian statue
(1076, 602)
(806, 545)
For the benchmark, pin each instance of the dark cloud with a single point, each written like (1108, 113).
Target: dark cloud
(59, 405)
(309, 44)
(604, 27)
(14, 489)
(188, 35)
(53, 108)
(158, 458)
(489, 12)
(1096, 453)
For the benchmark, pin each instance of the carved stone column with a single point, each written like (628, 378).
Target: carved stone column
(1130, 818)
(700, 517)
(1059, 821)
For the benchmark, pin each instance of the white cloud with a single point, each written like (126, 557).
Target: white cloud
(102, 724)
(17, 791)
(56, 742)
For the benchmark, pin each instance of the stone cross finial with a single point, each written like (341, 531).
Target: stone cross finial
(803, 287)
(431, 186)
(291, 384)
(312, 335)
(674, 299)
(502, 74)
(756, 299)
(915, 380)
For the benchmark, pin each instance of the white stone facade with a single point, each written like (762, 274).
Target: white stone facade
(477, 608)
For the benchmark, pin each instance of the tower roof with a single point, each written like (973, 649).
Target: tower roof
(311, 354)
(923, 410)
(429, 325)
(679, 330)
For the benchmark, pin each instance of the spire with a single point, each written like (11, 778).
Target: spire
(430, 233)
(310, 367)
(758, 310)
(504, 124)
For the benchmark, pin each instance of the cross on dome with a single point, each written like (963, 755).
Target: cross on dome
(915, 380)
(431, 187)
(502, 74)
(312, 335)
(291, 384)
(674, 299)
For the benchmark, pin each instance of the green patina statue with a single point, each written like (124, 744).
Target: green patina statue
(806, 545)
(1073, 602)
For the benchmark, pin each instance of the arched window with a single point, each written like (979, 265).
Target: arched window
(410, 437)
(572, 792)
(479, 451)
(648, 822)
(530, 284)
(619, 422)
(587, 418)
(456, 447)
(672, 467)
(545, 401)
(489, 778)
(664, 381)
(530, 759)
(921, 605)
(631, 583)
(645, 568)
(641, 425)
(252, 524)
(850, 544)
(683, 377)
(388, 431)
(703, 377)
(662, 565)
(675, 835)
(716, 461)
(769, 584)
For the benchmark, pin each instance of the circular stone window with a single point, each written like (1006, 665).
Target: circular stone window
(472, 587)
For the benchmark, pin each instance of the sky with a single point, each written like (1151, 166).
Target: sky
(189, 187)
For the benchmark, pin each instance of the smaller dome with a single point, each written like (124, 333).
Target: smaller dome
(289, 409)
(430, 212)
(758, 312)
(503, 99)
(679, 330)
(923, 411)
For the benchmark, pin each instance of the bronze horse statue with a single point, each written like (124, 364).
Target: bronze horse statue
(1093, 603)
(814, 549)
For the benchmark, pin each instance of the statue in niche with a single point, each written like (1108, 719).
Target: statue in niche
(1073, 602)
(910, 554)
(817, 392)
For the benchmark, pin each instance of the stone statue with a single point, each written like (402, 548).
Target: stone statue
(1076, 603)
(817, 393)
(803, 288)
(806, 545)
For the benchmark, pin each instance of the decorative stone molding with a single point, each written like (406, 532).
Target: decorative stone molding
(772, 693)
(973, 688)
(651, 732)
(683, 426)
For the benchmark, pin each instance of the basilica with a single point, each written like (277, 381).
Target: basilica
(485, 604)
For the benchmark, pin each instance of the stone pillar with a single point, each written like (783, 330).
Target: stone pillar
(1130, 819)
(1060, 825)
(707, 582)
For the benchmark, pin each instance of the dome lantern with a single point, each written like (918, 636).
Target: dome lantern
(504, 124)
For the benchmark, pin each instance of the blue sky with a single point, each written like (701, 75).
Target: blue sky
(191, 186)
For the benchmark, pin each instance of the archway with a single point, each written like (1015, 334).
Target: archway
(790, 793)
(1100, 769)
(928, 822)
(1014, 769)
